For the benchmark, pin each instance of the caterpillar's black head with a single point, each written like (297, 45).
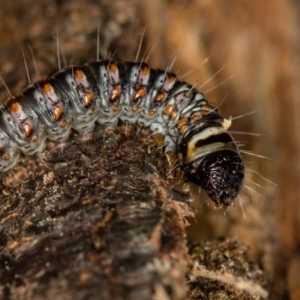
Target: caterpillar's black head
(220, 174)
(211, 159)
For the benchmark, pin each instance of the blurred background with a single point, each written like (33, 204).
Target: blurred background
(243, 54)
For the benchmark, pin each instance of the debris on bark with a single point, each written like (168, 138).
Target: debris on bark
(94, 218)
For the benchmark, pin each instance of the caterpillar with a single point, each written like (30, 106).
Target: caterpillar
(105, 91)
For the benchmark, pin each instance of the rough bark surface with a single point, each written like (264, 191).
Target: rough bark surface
(93, 219)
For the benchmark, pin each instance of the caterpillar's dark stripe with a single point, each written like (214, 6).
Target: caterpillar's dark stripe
(106, 91)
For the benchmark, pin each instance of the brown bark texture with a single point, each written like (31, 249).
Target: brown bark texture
(100, 217)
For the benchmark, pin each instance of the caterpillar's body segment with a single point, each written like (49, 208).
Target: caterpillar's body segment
(106, 91)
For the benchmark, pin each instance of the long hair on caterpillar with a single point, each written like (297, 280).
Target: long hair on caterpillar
(250, 184)
(106, 91)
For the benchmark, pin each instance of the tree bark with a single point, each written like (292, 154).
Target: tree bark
(90, 220)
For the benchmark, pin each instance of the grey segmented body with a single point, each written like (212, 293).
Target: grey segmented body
(106, 92)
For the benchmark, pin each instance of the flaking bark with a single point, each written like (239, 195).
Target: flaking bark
(93, 220)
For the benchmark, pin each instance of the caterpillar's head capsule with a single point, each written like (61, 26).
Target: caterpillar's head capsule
(211, 160)
(220, 174)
